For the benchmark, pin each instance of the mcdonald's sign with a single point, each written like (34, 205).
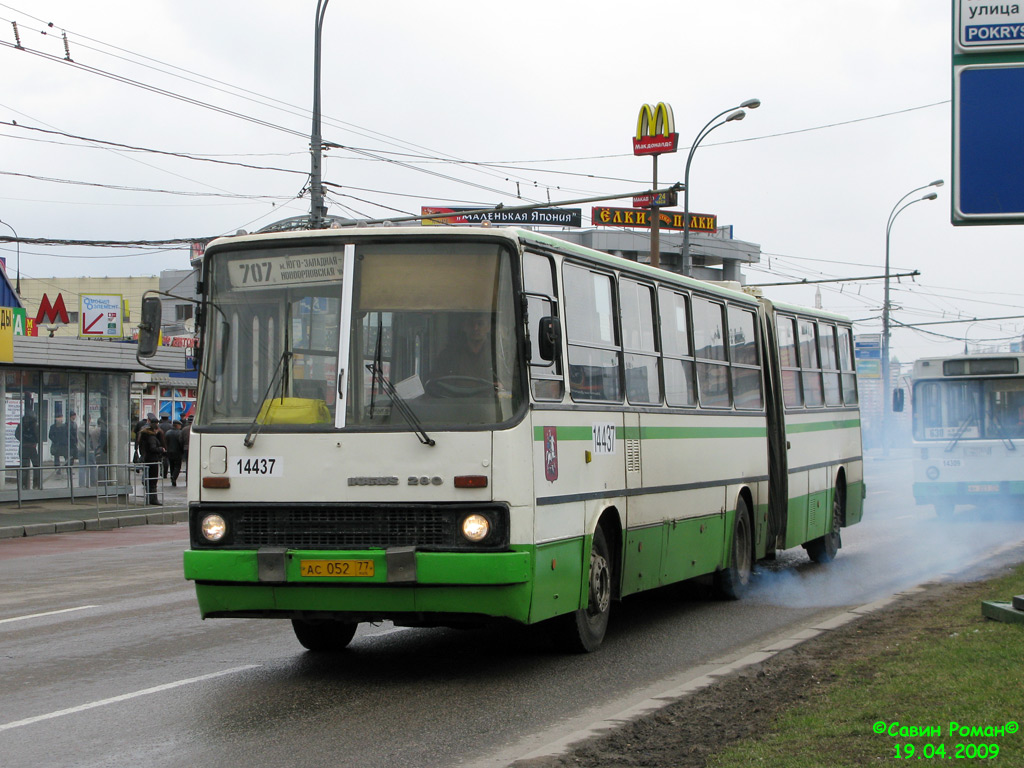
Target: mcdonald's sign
(655, 130)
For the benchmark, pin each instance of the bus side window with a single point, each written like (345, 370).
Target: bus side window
(539, 282)
(643, 384)
(746, 365)
(847, 374)
(712, 363)
(785, 328)
(594, 356)
(829, 364)
(677, 348)
(810, 367)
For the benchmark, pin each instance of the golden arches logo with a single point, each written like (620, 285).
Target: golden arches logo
(655, 130)
(655, 121)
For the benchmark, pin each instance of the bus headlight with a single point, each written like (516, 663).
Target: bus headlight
(475, 527)
(213, 527)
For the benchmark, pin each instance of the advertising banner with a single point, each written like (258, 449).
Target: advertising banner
(552, 217)
(99, 316)
(602, 216)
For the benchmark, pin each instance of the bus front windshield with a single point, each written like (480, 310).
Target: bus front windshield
(967, 409)
(430, 342)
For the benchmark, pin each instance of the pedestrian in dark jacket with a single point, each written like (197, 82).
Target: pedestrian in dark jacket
(152, 450)
(58, 437)
(186, 433)
(175, 449)
(28, 434)
(165, 425)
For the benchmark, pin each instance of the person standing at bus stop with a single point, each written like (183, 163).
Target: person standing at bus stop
(175, 450)
(152, 450)
(27, 433)
(58, 437)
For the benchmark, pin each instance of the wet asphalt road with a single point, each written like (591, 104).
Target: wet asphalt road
(104, 661)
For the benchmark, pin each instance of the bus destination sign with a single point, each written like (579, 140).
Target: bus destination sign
(276, 270)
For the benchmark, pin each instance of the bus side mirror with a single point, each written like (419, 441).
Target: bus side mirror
(898, 396)
(149, 327)
(549, 338)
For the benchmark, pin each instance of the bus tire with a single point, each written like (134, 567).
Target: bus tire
(732, 582)
(583, 630)
(325, 636)
(824, 548)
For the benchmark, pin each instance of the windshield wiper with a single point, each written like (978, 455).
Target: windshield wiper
(254, 428)
(1002, 434)
(399, 402)
(960, 431)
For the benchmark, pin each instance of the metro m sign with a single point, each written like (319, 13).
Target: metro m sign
(655, 130)
(52, 314)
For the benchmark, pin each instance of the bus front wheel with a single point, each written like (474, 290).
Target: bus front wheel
(325, 635)
(583, 630)
(734, 580)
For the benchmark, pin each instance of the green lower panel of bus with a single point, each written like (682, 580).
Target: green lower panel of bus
(431, 567)
(855, 493)
(810, 516)
(498, 584)
(673, 551)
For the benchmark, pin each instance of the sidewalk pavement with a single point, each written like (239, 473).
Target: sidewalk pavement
(41, 516)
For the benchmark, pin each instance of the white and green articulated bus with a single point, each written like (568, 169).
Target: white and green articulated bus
(447, 425)
(968, 431)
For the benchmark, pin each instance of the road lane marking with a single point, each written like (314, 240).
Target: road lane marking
(123, 697)
(48, 613)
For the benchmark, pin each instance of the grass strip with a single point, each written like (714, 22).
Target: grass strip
(899, 695)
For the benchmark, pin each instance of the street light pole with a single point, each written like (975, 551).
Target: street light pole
(886, 383)
(317, 209)
(17, 243)
(737, 114)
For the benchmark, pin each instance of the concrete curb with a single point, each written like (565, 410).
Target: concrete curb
(704, 675)
(708, 674)
(102, 523)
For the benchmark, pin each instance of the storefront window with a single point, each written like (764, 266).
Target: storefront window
(59, 426)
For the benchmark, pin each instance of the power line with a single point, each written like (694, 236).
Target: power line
(132, 148)
(124, 188)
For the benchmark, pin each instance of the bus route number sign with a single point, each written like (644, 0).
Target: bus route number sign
(604, 439)
(277, 270)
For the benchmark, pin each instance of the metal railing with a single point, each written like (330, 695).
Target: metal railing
(114, 484)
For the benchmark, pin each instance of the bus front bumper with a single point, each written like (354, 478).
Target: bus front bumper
(404, 583)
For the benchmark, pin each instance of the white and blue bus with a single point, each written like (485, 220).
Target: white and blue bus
(443, 425)
(968, 431)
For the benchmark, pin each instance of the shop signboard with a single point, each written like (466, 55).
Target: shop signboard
(99, 316)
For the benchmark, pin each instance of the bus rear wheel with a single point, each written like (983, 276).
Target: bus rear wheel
(825, 548)
(325, 635)
(583, 630)
(734, 580)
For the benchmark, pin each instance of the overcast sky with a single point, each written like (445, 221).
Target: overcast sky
(474, 103)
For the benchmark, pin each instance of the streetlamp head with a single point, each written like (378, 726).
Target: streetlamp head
(751, 104)
(739, 114)
(937, 183)
(930, 196)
